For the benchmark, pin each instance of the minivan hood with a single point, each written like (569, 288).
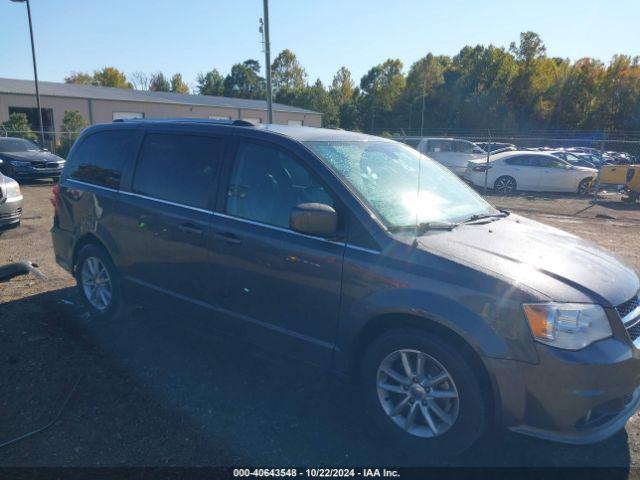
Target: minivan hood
(31, 156)
(557, 264)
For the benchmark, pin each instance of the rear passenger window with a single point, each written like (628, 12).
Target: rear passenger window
(178, 168)
(100, 157)
(438, 146)
(522, 161)
(463, 147)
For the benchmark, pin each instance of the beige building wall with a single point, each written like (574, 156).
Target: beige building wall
(102, 111)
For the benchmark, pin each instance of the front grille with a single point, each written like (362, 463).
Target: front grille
(629, 306)
(634, 331)
(52, 165)
(14, 214)
(632, 324)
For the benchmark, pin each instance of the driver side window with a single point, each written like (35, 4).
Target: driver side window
(266, 183)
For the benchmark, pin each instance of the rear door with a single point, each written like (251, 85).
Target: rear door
(463, 152)
(440, 150)
(525, 170)
(278, 286)
(165, 214)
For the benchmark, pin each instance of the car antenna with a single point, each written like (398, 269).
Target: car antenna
(417, 226)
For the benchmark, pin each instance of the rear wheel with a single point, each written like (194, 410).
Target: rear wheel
(505, 184)
(98, 282)
(422, 393)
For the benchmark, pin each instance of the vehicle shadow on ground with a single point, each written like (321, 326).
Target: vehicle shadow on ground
(163, 388)
(619, 205)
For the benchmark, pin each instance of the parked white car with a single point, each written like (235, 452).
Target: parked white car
(453, 153)
(535, 171)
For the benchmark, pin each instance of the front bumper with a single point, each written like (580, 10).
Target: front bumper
(36, 172)
(576, 397)
(10, 211)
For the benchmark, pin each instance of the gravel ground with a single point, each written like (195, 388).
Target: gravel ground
(161, 389)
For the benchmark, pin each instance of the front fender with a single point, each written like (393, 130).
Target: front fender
(492, 325)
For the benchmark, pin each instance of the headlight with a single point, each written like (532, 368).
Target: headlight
(570, 326)
(13, 189)
(18, 163)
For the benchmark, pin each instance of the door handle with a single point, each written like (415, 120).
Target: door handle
(226, 237)
(189, 229)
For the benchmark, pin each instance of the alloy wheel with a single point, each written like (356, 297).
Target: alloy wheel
(583, 188)
(505, 185)
(417, 393)
(96, 283)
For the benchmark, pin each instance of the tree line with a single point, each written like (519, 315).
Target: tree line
(516, 89)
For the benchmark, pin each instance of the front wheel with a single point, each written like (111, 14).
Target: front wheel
(98, 282)
(505, 184)
(584, 187)
(422, 393)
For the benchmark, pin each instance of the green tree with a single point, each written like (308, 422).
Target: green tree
(620, 94)
(210, 83)
(80, 78)
(159, 83)
(316, 97)
(178, 85)
(244, 81)
(423, 82)
(72, 124)
(479, 87)
(578, 92)
(18, 126)
(344, 95)
(382, 86)
(531, 47)
(534, 91)
(111, 77)
(287, 74)
(342, 86)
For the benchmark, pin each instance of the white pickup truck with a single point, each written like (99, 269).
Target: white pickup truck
(453, 153)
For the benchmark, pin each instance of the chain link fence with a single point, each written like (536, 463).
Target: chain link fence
(612, 150)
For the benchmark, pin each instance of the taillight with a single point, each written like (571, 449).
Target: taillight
(54, 200)
(481, 168)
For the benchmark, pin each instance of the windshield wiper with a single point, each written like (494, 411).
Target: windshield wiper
(424, 227)
(484, 216)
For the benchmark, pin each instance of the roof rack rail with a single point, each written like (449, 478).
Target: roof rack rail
(214, 121)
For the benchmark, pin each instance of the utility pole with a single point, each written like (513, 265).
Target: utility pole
(35, 70)
(424, 94)
(267, 59)
(486, 167)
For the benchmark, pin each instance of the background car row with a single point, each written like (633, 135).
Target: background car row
(507, 167)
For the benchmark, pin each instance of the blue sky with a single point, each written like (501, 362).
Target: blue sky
(192, 36)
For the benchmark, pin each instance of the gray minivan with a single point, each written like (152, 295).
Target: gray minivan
(361, 255)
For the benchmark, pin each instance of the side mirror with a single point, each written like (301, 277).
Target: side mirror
(478, 150)
(314, 219)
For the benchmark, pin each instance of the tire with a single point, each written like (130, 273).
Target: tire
(584, 187)
(468, 414)
(99, 306)
(505, 184)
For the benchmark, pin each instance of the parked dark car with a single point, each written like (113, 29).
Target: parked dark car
(573, 158)
(449, 315)
(10, 203)
(24, 159)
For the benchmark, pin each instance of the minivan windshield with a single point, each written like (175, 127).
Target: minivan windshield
(385, 175)
(17, 145)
